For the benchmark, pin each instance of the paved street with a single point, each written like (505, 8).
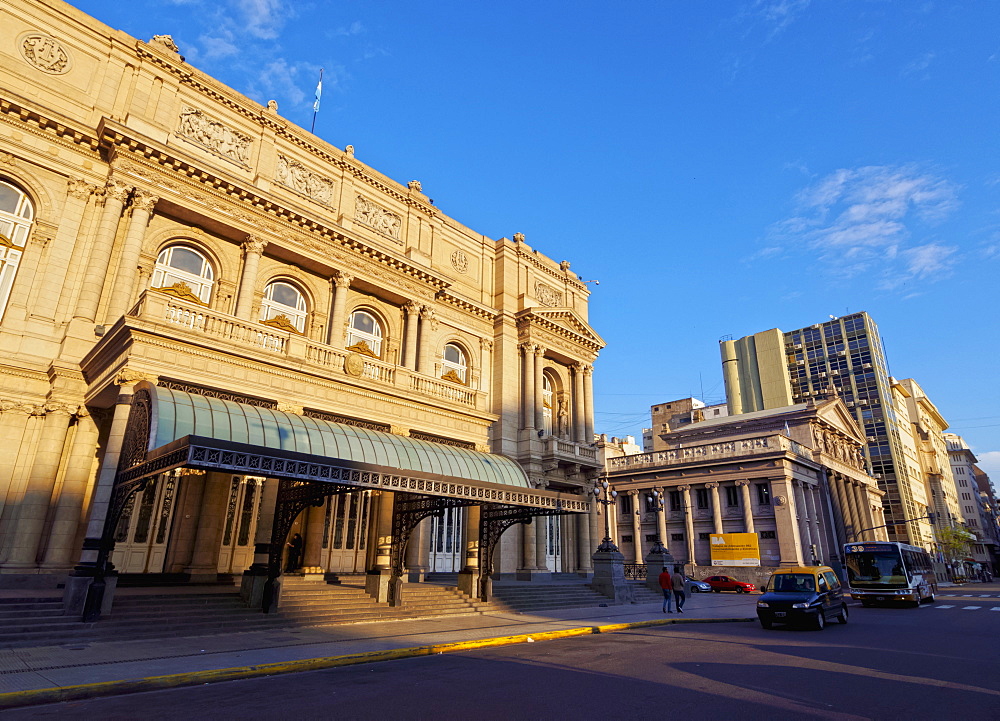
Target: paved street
(933, 662)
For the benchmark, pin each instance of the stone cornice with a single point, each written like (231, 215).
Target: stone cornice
(556, 273)
(528, 318)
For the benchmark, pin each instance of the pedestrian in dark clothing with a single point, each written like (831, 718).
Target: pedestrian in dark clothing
(677, 584)
(668, 593)
(294, 554)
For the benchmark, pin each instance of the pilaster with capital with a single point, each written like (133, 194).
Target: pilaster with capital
(124, 286)
(253, 248)
(341, 286)
(412, 311)
(527, 385)
(539, 387)
(428, 327)
(115, 195)
(636, 525)
(688, 522)
(588, 400)
(661, 518)
(579, 404)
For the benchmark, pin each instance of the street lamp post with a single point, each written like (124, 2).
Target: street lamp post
(610, 494)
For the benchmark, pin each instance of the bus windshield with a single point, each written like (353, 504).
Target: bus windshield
(876, 569)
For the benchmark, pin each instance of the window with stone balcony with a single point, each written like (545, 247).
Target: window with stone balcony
(16, 214)
(284, 306)
(454, 366)
(547, 400)
(184, 270)
(364, 334)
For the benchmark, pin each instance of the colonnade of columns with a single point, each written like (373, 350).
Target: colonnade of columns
(856, 510)
(803, 531)
(581, 412)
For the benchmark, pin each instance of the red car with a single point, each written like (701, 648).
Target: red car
(728, 583)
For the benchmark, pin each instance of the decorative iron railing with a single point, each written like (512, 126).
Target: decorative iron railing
(635, 571)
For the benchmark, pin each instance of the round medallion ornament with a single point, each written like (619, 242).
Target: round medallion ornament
(45, 53)
(460, 261)
(354, 365)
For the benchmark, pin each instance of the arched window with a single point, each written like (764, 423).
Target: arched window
(454, 366)
(184, 269)
(16, 214)
(283, 306)
(364, 334)
(547, 400)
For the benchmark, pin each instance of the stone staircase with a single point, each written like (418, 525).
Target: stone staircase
(535, 598)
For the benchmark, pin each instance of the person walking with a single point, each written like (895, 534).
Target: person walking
(677, 585)
(668, 594)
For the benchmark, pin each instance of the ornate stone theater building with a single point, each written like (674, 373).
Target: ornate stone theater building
(220, 331)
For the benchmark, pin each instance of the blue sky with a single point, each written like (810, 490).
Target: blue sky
(721, 168)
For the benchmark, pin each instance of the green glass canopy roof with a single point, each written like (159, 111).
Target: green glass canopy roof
(177, 414)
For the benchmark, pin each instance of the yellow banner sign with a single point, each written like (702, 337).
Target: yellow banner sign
(735, 549)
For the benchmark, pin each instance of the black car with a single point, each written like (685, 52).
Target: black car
(807, 595)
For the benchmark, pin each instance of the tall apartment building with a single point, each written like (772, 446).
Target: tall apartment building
(843, 357)
(974, 504)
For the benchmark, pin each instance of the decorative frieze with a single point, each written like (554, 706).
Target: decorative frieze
(219, 139)
(45, 53)
(547, 295)
(377, 218)
(295, 176)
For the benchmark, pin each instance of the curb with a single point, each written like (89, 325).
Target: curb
(16, 699)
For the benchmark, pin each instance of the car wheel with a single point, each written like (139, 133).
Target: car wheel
(929, 599)
(766, 624)
(695, 589)
(842, 616)
(819, 623)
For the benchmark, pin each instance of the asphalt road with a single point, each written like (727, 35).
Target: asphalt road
(935, 662)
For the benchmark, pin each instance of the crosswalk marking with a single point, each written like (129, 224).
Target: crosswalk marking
(943, 606)
(971, 608)
(985, 595)
(995, 608)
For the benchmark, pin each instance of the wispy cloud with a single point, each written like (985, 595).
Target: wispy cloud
(918, 66)
(263, 18)
(863, 220)
(773, 16)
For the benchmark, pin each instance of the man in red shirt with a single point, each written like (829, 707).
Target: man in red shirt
(668, 594)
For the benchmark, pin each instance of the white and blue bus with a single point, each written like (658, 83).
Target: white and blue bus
(889, 572)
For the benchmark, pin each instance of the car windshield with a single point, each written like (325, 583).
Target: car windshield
(793, 583)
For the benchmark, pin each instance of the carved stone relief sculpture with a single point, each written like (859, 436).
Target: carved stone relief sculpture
(214, 136)
(292, 174)
(45, 53)
(547, 295)
(377, 218)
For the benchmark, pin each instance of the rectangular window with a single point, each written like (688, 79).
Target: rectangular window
(732, 496)
(627, 539)
(768, 534)
(703, 536)
(701, 497)
(964, 482)
(651, 538)
(675, 500)
(625, 504)
(676, 536)
(763, 494)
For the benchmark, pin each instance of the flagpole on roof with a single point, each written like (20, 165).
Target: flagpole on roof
(319, 94)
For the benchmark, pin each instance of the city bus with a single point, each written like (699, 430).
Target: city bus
(889, 572)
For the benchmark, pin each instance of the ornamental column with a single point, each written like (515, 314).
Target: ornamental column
(636, 527)
(539, 383)
(254, 578)
(819, 536)
(96, 270)
(578, 404)
(527, 386)
(338, 318)
(410, 344)
(253, 248)
(528, 533)
(205, 559)
(863, 509)
(846, 511)
(541, 544)
(33, 507)
(378, 578)
(124, 285)
(716, 506)
(688, 523)
(428, 323)
(584, 544)
(805, 532)
(59, 552)
(588, 402)
(747, 506)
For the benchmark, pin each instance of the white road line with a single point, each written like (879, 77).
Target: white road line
(942, 606)
(971, 608)
(995, 608)
(985, 595)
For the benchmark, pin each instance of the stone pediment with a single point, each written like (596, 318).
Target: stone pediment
(836, 413)
(562, 321)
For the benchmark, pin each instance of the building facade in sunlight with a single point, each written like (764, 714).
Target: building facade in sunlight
(317, 348)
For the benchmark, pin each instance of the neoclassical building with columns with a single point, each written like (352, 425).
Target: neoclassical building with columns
(220, 331)
(794, 476)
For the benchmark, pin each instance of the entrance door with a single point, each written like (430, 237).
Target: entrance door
(345, 531)
(446, 542)
(553, 543)
(144, 527)
(242, 509)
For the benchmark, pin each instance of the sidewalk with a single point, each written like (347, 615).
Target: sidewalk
(133, 664)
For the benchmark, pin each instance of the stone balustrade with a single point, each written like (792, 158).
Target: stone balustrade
(761, 445)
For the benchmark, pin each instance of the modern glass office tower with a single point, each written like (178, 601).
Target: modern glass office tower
(843, 356)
